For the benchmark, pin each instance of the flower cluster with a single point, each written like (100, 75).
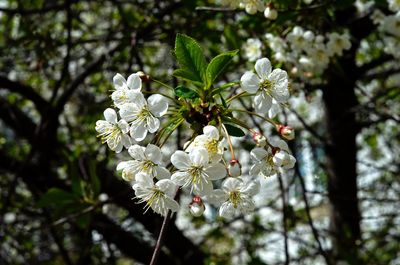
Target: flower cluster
(306, 51)
(204, 160)
(252, 7)
(389, 28)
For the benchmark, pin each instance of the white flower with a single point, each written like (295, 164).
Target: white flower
(113, 132)
(235, 197)
(391, 24)
(252, 6)
(145, 160)
(125, 89)
(266, 85)
(269, 161)
(337, 43)
(252, 49)
(195, 171)
(394, 5)
(158, 196)
(210, 141)
(270, 13)
(298, 39)
(142, 115)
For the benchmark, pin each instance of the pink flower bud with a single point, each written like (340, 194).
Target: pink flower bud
(260, 140)
(234, 168)
(286, 132)
(196, 207)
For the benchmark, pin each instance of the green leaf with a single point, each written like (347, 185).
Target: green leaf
(185, 92)
(190, 58)
(218, 65)
(56, 196)
(234, 131)
(186, 75)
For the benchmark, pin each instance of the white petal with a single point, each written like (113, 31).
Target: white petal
(290, 162)
(258, 153)
(281, 144)
(129, 111)
(138, 131)
(167, 186)
(226, 210)
(203, 189)
(262, 103)
(256, 169)
(231, 184)
(152, 124)
(263, 68)
(180, 178)
(181, 160)
(280, 89)
(211, 131)
(250, 82)
(153, 153)
(171, 204)
(280, 158)
(134, 82)
(273, 110)
(137, 152)
(110, 115)
(118, 147)
(158, 105)
(216, 171)
(122, 165)
(217, 197)
(199, 156)
(123, 126)
(126, 140)
(251, 188)
(103, 126)
(119, 82)
(162, 172)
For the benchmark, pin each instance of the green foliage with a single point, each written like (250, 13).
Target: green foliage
(234, 131)
(190, 58)
(218, 65)
(185, 92)
(56, 197)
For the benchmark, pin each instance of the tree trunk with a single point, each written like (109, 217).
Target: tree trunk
(340, 101)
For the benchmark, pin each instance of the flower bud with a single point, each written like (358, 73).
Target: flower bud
(196, 207)
(143, 76)
(234, 168)
(270, 13)
(260, 140)
(286, 132)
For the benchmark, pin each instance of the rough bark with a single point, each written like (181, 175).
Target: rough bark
(340, 100)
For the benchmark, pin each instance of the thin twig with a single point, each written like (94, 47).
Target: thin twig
(284, 220)
(157, 248)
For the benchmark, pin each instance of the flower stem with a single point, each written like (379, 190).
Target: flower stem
(229, 141)
(157, 248)
(255, 114)
(241, 94)
(163, 84)
(162, 94)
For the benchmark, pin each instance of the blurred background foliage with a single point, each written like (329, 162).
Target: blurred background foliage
(62, 201)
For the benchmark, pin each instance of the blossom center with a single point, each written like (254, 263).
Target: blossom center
(266, 85)
(110, 132)
(211, 145)
(144, 113)
(147, 165)
(235, 198)
(156, 196)
(195, 172)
